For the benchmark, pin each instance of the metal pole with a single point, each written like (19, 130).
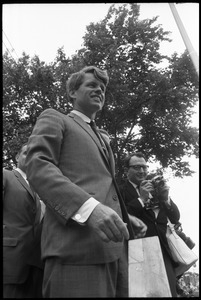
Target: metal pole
(187, 42)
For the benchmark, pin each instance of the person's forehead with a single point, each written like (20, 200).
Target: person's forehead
(137, 160)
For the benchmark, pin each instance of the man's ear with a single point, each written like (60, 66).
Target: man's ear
(17, 157)
(72, 94)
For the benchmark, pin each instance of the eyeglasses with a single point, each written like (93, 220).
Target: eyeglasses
(138, 167)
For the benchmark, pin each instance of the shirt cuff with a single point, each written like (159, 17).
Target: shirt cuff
(85, 210)
(141, 201)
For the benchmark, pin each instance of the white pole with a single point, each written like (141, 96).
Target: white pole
(187, 42)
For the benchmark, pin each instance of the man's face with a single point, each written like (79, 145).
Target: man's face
(137, 171)
(21, 158)
(90, 96)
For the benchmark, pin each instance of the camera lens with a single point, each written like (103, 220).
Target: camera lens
(189, 243)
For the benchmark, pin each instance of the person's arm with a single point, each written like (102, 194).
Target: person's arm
(43, 172)
(139, 227)
(85, 210)
(170, 207)
(145, 190)
(172, 211)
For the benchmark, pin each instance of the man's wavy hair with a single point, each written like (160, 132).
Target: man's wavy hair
(76, 79)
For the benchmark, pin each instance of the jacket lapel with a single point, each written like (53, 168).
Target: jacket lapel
(133, 196)
(35, 197)
(131, 190)
(24, 183)
(84, 125)
(110, 153)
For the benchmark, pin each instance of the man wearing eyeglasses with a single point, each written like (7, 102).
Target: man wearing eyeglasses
(138, 193)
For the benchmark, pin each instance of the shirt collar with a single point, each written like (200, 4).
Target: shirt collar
(21, 173)
(81, 115)
(133, 184)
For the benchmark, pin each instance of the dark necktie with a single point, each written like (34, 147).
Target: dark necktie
(95, 130)
(93, 126)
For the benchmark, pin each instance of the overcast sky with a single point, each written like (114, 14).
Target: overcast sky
(42, 28)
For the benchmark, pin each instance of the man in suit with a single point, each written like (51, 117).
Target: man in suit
(22, 264)
(138, 193)
(72, 169)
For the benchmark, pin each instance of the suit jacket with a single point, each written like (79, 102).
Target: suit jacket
(66, 166)
(21, 228)
(156, 226)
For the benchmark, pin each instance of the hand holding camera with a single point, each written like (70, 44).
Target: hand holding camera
(145, 189)
(157, 187)
(161, 190)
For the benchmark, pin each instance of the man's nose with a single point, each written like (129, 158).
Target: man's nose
(98, 90)
(141, 169)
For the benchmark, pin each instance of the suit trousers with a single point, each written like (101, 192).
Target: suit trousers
(170, 273)
(31, 288)
(108, 280)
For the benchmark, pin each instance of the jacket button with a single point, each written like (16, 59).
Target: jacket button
(61, 212)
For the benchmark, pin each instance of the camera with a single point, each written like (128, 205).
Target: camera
(158, 182)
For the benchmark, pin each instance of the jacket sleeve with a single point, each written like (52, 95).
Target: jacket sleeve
(43, 172)
(172, 211)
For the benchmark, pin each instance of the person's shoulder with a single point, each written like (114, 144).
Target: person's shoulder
(126, 185)
(7, 173)
(53, 111)
(52, 117)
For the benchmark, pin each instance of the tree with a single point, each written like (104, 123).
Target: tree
(29, 87)
(141, 99)
(147, 108)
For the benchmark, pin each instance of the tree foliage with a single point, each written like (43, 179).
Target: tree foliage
(147, 108)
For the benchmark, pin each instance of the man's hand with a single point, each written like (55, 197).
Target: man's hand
(107, 224)
(146, 187)
(139, 227)
(163, 193)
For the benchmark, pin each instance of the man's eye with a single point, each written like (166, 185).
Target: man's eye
(103, 88)
(92, 85)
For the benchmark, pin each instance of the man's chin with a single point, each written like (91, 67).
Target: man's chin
(140, 179)
(98, 106)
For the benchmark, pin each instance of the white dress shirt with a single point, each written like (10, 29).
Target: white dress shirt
(139, 199)
(23, 174)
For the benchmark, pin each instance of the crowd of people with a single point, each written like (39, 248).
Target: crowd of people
(66, 222)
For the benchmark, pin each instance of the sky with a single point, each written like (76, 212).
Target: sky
(41, 29)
